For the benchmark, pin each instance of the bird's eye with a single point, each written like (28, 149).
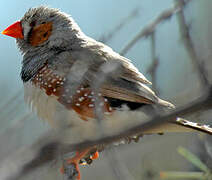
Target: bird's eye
(43, 23)
(45, 34)
(32, 24)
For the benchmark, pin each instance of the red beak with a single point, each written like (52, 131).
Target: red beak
(14, 30)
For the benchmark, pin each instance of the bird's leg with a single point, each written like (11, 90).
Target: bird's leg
(77, 158)
(95, 155)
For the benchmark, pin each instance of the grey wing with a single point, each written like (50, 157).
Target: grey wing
(127, 84)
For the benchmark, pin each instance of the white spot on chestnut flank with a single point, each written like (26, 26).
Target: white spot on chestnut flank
(81, 99)
(91, 105)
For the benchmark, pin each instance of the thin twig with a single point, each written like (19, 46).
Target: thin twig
(116, 29)
(151, 27)
(186, 37)
(154, 65)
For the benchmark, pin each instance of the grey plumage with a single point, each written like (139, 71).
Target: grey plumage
(67, 37)
(62, 72)
(68, 45)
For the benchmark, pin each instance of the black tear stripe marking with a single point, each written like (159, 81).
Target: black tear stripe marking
(118, 104)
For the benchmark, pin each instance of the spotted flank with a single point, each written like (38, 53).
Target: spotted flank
(83, 100)
(49, 81)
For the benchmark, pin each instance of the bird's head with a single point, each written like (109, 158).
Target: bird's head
(43, 27)
(41, 35)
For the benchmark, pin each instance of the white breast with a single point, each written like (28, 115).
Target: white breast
(50, 110)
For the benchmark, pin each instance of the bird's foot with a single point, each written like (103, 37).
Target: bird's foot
(74, 162)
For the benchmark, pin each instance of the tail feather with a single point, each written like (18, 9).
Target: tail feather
(166, 103)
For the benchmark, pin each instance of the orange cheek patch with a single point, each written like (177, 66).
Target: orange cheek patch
(40, 34)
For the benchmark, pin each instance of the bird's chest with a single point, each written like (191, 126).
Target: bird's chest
(50, 99)
(47, 107)
(58, 115)
(49, 89)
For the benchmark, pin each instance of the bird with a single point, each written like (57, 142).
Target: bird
(59, 68)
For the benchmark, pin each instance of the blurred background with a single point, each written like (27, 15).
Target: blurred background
(116, 23)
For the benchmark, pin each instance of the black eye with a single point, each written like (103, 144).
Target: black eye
(32, 24)
(45, 34)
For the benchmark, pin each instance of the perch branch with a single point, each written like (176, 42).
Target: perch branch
(150, 28)
(49, 146)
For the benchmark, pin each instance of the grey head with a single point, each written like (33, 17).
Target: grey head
(62, 29)
(47, 31)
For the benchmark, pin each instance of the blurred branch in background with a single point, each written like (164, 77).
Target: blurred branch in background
(152, 70)
(108, 36)
(206, 173)
(117, 166)
(189, 46)
(10, 101)
(151, 27)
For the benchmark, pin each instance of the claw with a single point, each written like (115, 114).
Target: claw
(75, 161)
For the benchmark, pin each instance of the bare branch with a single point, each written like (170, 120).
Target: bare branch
(150, 28)
(124, 22)
(153, 67)
(186, 37)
